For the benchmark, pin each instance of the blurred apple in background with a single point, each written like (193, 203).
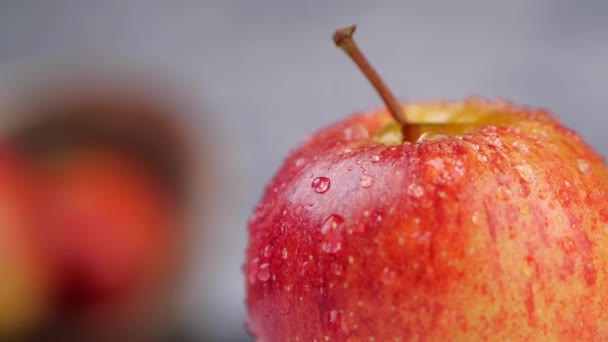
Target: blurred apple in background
(111, 164)
(24, 280)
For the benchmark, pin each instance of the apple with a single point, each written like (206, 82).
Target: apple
(109, 232)
(24, 282)
(110, 163)
(449, 220)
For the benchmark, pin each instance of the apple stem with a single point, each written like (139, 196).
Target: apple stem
(344, 39)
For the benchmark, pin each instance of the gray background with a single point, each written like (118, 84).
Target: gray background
(268, 75)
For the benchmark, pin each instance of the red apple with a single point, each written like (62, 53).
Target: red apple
(465, 220)
(109, 228)
(24, 282)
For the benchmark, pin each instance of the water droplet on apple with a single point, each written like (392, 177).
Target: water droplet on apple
(267, 251)
(336, 321)
(526, 172)
(284, 254)
(476, 218)
(522, 147)
(264, 272)
(482, 157)
(304, 268)
(366, 181)
(337, 268)
(582, 165)
(503, 192)
(431, 136)
(388, 276)
(494, 140)
(568, 244)
(529, 266)
(422, 237)
(565, 196)
(252, 275)
(375, 158)
(320, 184)
(300, 162)
(332, 234)
(350, 168)
(415, 190)
(356, 132)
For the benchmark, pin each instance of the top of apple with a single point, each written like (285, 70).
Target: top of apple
(413, 122)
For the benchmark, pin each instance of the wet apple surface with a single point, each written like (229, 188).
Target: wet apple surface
(464, 220)
(496, 233)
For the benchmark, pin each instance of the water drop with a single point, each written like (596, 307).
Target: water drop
(332, 234)
(476, 218)
(320, 184)
(422, 236)
(252, 275)
(431, 136)
(264, 272)
(503, 192)
(284, 254)
(300, 162)
(356, 132)
(336, 321)
(375, 158)
(568, 244)
(529, 266)
(304, 268)
(437, 163)
(494, 140)
(523, 148)
(267, 251)
(350, 168)
(526, 172)
(415, 190)
(388, 276)
(565, 196)
(337, 268)
(366, 181)
(582, 165)
(482, 157)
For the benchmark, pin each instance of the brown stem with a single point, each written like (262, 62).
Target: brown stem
(344, 39)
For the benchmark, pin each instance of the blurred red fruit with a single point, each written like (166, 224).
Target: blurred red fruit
(23, 278)
(110, 229)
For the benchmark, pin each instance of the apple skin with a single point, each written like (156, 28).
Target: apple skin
(109, 229)
(24, 278)
(500, 233)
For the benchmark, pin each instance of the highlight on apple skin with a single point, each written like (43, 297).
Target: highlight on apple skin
(467, 220)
